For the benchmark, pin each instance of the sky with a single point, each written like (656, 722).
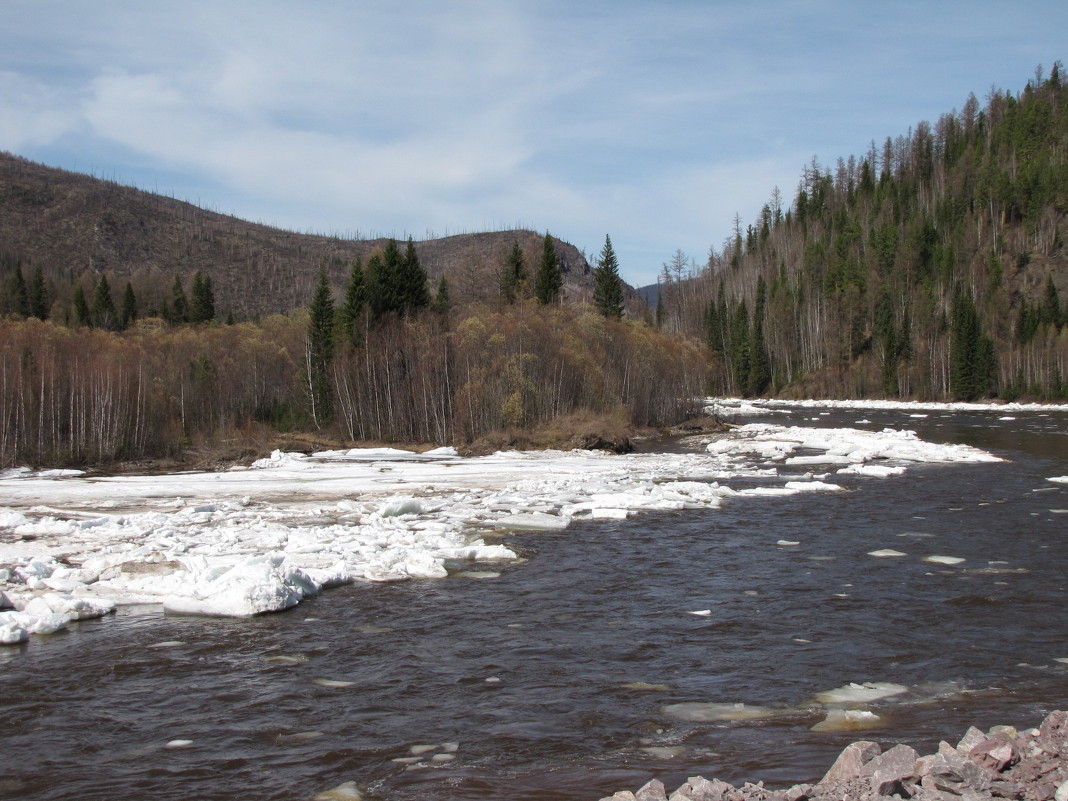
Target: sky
(655, 123)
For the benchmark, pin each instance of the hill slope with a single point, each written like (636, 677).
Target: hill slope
(933, 267)
(71, 224)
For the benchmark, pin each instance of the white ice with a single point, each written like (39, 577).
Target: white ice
(262, 538)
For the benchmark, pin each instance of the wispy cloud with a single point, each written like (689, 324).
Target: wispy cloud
(655, 122)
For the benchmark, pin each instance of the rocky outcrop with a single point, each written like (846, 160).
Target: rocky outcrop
(1000, 764)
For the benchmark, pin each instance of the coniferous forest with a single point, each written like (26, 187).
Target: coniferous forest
(932, 266)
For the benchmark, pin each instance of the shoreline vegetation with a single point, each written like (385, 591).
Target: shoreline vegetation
(156, 394)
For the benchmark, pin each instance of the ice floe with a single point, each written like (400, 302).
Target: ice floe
(262, 538)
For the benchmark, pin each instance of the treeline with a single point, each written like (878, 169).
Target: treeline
(88, 300)
(932, 267)
(386, 361)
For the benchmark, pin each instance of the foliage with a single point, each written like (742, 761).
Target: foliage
(320, 351)
(903, 271)
(549, 280)
(607, 286)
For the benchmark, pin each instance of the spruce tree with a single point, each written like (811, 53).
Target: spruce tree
(549, 280)
(202, 305)
(440, 303)
(355, 300)
(412, 284)
(320, 351)
(38, 296)
(129, 307)
(104, 314)
(759, 374)
(607, 287)
(740, 346)
(179, 308)
(80, 308)
(514, 274)
(21, 294)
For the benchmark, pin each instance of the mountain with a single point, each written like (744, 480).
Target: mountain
(77, 227)
(934, 266)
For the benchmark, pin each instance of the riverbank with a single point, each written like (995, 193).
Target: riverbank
(1002, 763)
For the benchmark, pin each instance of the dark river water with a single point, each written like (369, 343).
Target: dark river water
(520, 682)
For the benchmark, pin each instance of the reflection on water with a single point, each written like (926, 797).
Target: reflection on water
(584, 670)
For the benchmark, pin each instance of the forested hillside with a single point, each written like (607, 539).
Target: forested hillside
(74, 229)
(932, 266)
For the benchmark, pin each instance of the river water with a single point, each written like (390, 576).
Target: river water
(549, 681)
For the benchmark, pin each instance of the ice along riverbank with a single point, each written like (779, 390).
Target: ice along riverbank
(261, 538)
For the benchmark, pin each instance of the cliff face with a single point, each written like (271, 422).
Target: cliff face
(69, 224)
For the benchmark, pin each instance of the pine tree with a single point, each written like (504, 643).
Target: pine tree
(129, 307)
(38, 296)
(355, 300)
(1051, 306)
(607, 286)
(514, 274)
(320, 351)
(104, 315)
(549, 280)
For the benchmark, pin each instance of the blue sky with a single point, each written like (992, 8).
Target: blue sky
(654, 122)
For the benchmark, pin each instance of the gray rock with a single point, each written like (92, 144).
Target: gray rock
(622, 795)
(971, 738)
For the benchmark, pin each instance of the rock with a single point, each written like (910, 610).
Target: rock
(1061, 793)
(622, 795)
(850, 762)
(995, 753)
(698, 788)
(893, 771)
(971, 738)
(652, 791)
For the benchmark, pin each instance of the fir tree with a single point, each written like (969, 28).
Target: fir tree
(320, 351)
(607, 286)
(514, 274)
(129, 307)
(549, 280)
(80, 308)
(38, 295)
(1051, 305)
(104, 315)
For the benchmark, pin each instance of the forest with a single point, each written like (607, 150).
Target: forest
(932, 267)
(388, 363)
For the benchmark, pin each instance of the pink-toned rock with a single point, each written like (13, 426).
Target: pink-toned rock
(851, 761)
(995, 753)
(652, 791)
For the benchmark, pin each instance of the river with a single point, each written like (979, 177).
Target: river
(555, 679)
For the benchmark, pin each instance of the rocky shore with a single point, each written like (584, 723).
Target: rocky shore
(1003, 763)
